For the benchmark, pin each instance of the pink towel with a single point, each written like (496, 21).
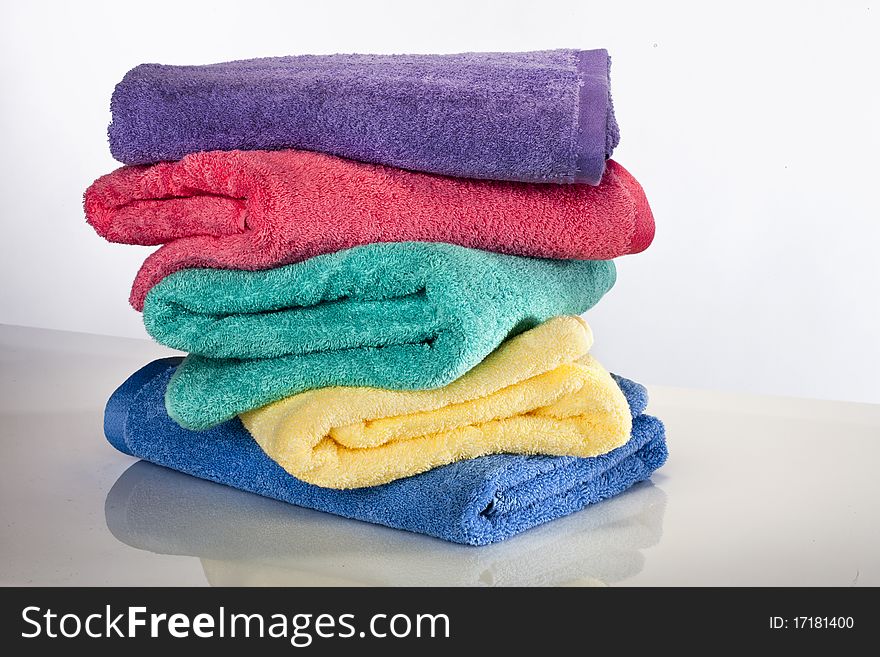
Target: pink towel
(261, 209)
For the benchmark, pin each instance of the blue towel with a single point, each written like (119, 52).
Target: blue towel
(475, 502)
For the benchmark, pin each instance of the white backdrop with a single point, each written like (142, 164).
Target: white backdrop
(753, 128)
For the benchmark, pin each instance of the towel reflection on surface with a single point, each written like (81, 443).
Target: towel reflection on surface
(248, 540)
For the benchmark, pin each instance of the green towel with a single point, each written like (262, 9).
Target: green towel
(409, 315)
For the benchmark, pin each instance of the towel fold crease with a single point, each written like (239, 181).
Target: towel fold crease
(410, 316)
(258, 210)
(538, 393)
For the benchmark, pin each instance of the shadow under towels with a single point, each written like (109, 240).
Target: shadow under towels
(161, 510)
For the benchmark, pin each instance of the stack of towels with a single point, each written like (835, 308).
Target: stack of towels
(377, 265)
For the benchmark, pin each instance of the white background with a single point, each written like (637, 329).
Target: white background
(752, 126)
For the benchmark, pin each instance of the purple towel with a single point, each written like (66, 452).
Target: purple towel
(534, 116)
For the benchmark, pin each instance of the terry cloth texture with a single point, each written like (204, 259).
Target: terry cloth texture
(531, 116)
(408, 315)
(477, 501)
(276, 544)
(257, 210)
(538, 393)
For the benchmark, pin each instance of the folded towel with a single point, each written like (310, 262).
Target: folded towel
(257, 210)
(538, 393)
(408, 315)
(250, 540)
(477, 501)
(532, 116)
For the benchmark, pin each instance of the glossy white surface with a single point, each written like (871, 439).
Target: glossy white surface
(757, 491)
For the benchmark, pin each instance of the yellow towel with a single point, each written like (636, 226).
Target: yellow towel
(538, 393)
